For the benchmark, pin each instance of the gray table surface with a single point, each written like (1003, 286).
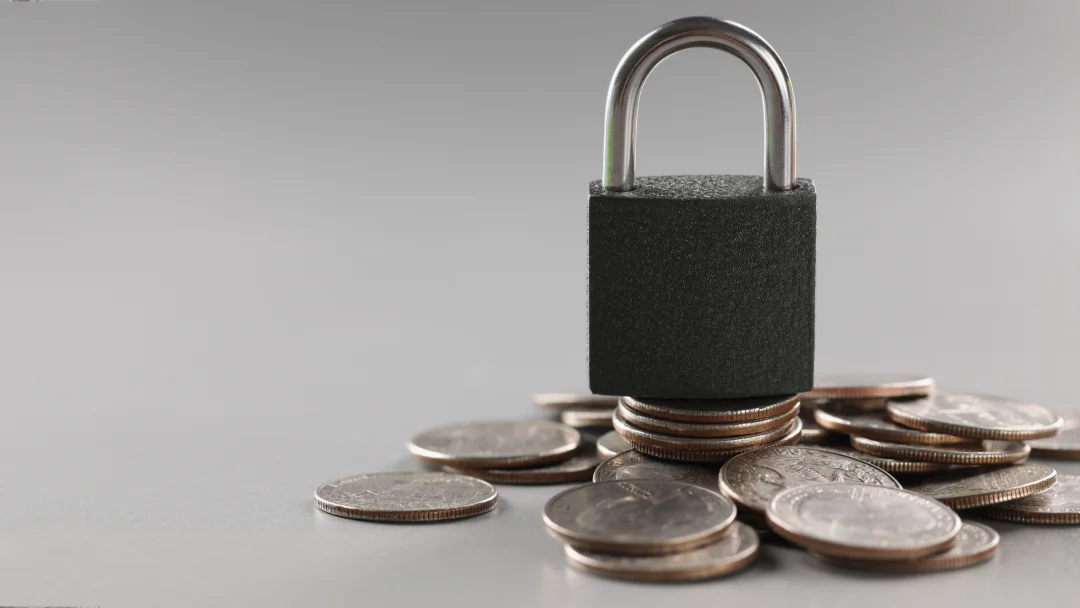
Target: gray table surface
(251, 248)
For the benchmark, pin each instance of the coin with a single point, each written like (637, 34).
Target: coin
(814, 434)
(639, 517)
(713, 410)
(891, 465)
(861, 521)
(729, 554)
(790, 438)
(557, 402)
(406, 497)
(870, 385)
(504, 444)
(968, 489)
(977, 416)
(975, 544)
(837, 417)
(611, 443)
(579, 467)
(988, 452)
(753, 478)
(638, 436)
(632, 464)
(866, 404)
(699, 429)
(1060, 505)
(1065, 445)
(586, 418)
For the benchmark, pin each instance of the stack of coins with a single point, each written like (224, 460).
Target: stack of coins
(854, 393)
(707, 430)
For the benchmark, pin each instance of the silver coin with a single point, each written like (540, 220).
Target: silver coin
(975, 544)
(598, 418)
(870, 385)
(503, 444)
(701, 429)
(1066, 445)
(557, 402)
(713, 410)
(578, 467)
(986, 452)
(815, 434)
(1060, 505)
(875, 425)
(789, 438)
(891, 465)
(611, 443)
(638, 436)
(639, 517)
(753, 478)
(977, 416)
(632, 464)
(861, 521)
(968, 489)
(406, 497)
(729, 554)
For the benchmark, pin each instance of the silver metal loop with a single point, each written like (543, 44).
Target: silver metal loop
(620, 121)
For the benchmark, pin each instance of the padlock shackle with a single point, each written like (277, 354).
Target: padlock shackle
(620, 120)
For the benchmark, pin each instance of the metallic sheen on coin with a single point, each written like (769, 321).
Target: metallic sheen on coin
(611, 443)
(503, 444)
(1060, 505)
(557, 402)
(870, 385)
(639, 517)
(753, 478)
(975, 544)
(977, 416)
(875, 425)
(699, 429)
(729, 554)
(861, 521)
(586, 418)
(579, 467)
(890, 465)
(978, 487)
(987, 452)
(638, 436)
(632, 464)
(791, 438)
(815, 434)
(406, 497)
(713, 410)
(1064, 446)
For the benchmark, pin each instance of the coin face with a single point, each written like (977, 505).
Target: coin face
(875, 425)
(503, 444)
(638, 436)
(891, 465)
(975, 544)
(861, 521)
(713, 410)
(987, 452)
(870, 385)
(406, 497)
(1065, 445)
(557, 402)
(699, 429)
(753, 478)
(976, 416)
(728, 554)
(611, 443)
(578, 467)
(971, 488)
(586, 418)
(791, 438)
(639, 517)
(1060, 505)
(632, 464)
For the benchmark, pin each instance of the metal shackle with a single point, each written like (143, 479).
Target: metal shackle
(620, 120)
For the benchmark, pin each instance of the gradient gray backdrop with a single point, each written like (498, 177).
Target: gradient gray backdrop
(248, 248)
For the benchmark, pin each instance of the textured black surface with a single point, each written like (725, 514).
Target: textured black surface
(701, 286)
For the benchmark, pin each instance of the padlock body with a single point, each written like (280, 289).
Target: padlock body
(701, 287)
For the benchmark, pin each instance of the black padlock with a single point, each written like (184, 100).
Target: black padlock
(701, 286)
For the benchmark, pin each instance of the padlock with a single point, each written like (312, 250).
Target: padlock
(701, 286)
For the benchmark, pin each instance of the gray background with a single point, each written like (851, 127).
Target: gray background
(248, 248)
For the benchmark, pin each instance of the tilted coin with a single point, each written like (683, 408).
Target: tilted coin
(503, 444)
(701, 429)
(753, 478)
(791, 438)
(632, 464)
(861, 521)
(870, 385)
(1060, 505)
(639, 517)
(611, 443)
(968, 489)
(406, 497)
(987, 452)
(586, 418)
(865, 404)
(875, 425)
(815, 434)
(557, 402)
(713, 410)
(975, 544)
(976, 416)
(1065, 445)
(638, 436)
(578, 467)
(891, 465)
(729, 554)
